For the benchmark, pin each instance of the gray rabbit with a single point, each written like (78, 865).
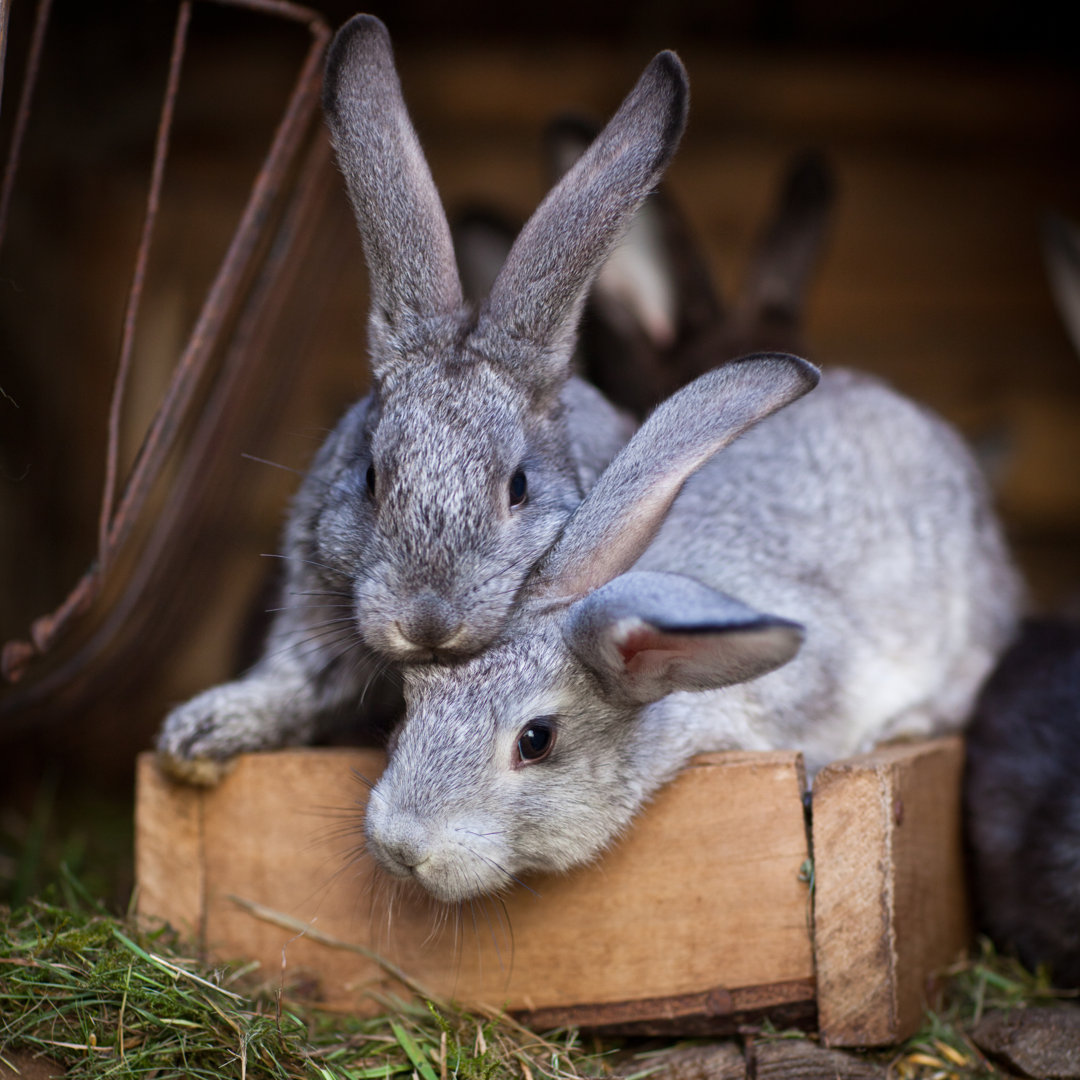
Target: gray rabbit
(834, 577)
(1022, 779)
(436, 495)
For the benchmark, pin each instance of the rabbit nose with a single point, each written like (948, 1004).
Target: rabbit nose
(402, 842)
(407, 853)
(429, 622)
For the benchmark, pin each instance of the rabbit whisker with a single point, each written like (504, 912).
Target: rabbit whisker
(498, 866)
(306, 562)
(278, 465)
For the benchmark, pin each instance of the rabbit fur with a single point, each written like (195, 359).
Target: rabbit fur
(438, 492)
(1022, 800)
(654, 319)
(832, 578)
(1021, 789)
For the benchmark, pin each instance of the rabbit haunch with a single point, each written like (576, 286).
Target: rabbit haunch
(832, 578)
(437, 493)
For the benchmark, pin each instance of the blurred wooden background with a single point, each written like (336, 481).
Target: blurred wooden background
(951, 128)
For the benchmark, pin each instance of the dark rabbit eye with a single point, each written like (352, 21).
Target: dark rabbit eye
(371, 480)
(535, 742)
(518, 488)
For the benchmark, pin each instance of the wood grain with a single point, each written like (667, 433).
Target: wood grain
(283, 829)
(696, 922)
(889, 898)
(169, 865)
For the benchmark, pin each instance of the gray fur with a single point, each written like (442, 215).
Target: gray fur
(1022, 800)
(430, 565)
(656, 319)
(851, 520)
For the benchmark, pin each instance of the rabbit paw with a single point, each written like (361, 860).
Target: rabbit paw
(200, 738)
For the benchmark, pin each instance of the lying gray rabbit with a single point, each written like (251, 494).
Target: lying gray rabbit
(833, 578)
(435, 496)
(1022, 779)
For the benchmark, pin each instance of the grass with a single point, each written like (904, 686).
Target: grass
(110, 997)
(943, 1049)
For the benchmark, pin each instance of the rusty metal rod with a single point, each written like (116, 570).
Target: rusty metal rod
(26, 97)
(222, 294)
(221, 299)
(5, 14)
(142, 257)
(101, 662)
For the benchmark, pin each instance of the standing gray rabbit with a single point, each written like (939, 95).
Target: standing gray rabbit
(834, 577)
(1022, 779)
(435, 496)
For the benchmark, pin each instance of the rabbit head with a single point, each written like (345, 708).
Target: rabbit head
(448, 483)
(535, 754)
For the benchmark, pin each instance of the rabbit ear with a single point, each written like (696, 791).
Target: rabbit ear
(621, 515)
(656, 282)
(402, 223)
(539, 294)
(1061, 249)
(789, 247)
(647, 635)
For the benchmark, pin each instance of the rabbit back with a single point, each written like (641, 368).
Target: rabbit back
(1022, 799)
(861, 515)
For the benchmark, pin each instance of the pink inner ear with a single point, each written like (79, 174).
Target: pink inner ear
(646, 649)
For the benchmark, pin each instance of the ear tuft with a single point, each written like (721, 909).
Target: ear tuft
(362, 41)
(672, 80)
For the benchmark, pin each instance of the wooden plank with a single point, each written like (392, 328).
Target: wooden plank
(169, 866)
(703, 897)
(889, 899)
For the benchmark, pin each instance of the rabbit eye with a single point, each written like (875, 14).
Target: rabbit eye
(535, 742)
(518, 488)
(371, 480)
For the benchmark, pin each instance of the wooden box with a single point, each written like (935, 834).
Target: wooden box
(708, 915)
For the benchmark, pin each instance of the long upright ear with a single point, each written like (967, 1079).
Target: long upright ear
(656, 282)
(647, 635)
(402, 224)
(539, 294)
(623, 512)
(1061, 249)
(789, 247)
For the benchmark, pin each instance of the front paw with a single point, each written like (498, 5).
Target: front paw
(200, 738)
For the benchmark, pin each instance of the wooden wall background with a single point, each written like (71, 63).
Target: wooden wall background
(951, 129)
